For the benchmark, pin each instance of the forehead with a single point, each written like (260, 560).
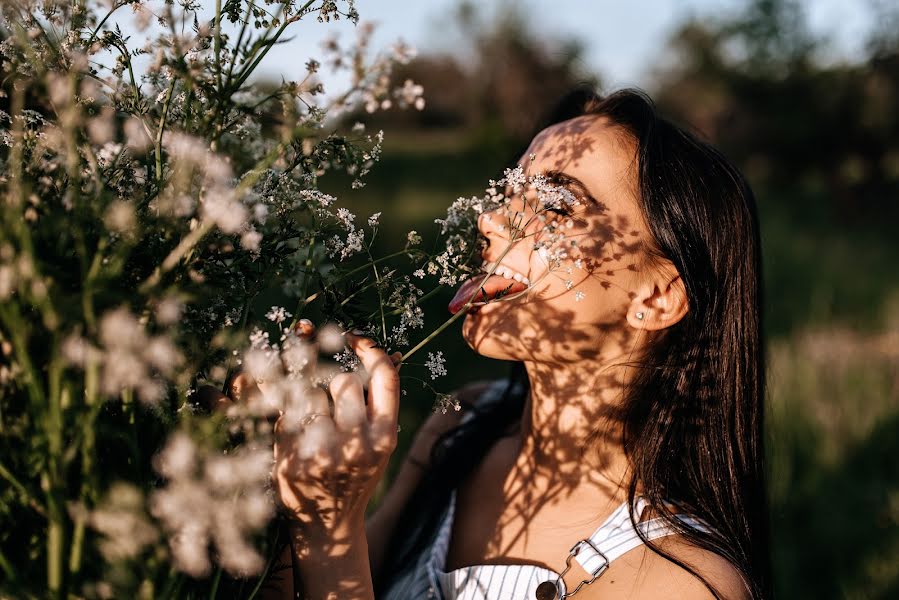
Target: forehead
(591, 149)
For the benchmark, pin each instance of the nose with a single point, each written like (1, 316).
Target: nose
(493, 225)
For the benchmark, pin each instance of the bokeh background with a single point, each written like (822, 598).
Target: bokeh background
(804, 97)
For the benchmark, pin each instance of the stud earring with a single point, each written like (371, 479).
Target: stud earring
(639, 316)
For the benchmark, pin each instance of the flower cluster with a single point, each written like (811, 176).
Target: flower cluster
(152, 195)
(212, 498)
(527, 207)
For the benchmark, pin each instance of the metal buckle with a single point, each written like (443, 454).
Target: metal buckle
(594, 575)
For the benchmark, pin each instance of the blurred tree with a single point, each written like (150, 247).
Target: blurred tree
(753, 85)
(507, 78)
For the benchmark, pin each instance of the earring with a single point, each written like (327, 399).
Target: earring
(639, 316)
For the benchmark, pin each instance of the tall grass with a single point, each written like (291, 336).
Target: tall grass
(834, 458)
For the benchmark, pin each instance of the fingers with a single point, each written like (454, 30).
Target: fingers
(384, 384)
(242, 388)
(305, 329)
(397, 359)
(311, 427)
(349, 401)
(314, 402)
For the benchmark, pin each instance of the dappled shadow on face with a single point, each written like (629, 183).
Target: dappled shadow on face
(572, 332)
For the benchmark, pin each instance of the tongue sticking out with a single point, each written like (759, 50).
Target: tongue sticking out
(495, 285)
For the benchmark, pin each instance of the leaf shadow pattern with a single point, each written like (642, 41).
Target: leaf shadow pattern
(578, 364)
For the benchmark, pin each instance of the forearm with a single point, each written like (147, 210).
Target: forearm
(381, 524)
(337, 569)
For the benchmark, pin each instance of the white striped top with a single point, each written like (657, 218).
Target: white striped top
(426, 577)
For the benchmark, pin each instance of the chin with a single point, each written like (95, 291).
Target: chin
(487, 334)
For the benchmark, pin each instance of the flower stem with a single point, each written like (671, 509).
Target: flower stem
(183, 247)
(54, 476)
(311, 298)
(161, 130)
(215, 583)
(23, 491)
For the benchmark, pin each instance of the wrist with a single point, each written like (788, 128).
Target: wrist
(333, 568)
(319, 544)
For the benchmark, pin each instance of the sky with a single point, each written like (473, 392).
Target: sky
(622, 39)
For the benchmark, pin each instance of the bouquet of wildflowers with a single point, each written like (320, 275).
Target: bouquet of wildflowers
(151, 193)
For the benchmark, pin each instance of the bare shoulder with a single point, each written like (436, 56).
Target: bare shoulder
(641, 574)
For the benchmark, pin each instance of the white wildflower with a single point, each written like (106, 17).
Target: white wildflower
(217, 498)
(330, 338)
(436, 364)
(347, 359)
(444, 402)
(122, 523)
(227, 214)
(168, 311)
(250, 240)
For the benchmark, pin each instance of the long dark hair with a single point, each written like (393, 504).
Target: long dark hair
(693, 415)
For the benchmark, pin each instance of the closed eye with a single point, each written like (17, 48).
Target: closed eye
(570, 185)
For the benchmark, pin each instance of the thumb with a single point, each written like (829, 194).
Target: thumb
(397, 359)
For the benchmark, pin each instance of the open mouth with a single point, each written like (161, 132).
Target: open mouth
(478, 290)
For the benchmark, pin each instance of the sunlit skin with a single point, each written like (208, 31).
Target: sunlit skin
(555, 478)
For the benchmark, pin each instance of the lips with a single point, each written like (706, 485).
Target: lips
(478, 290)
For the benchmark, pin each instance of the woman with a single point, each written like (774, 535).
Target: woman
(623, 457)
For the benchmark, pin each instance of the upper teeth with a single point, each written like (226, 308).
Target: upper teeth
(506, 272)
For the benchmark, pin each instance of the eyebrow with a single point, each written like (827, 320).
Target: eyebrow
(566, 179)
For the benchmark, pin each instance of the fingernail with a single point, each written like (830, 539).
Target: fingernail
(304, 327)
(357, 332)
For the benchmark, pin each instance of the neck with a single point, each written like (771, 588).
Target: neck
(571, 427)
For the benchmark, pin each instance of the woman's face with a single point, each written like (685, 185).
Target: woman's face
(581, 304)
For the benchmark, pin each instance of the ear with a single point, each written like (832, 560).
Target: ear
(661, 299)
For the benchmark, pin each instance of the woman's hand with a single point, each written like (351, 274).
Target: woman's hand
(326, 468)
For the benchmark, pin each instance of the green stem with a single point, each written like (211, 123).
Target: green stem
(183, 247)
(56, 511)
(218, 44)
(87, 294)
(161, 130)
(311, 298)
(380, 295)
(88, 478)
(77, 544)
(23, 491)
(306, 277)
(268, 566)
(7, 568)
(102, 22)
(171, 584)
(243, 29)
(215, 583)
(268, 44)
